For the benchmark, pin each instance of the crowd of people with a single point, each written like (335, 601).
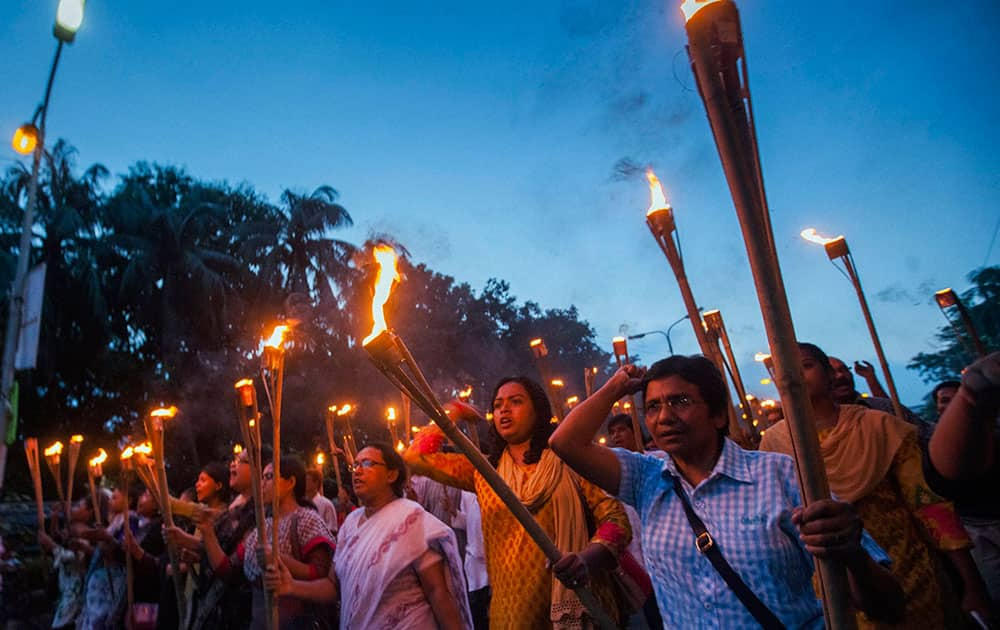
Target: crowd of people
(682, 528)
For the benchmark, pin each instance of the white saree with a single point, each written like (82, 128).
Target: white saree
(377, 560)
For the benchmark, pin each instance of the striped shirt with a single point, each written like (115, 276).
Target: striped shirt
(746, 504)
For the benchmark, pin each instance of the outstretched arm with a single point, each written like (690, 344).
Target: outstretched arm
(573, 441)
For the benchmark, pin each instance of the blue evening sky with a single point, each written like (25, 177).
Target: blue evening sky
(486, 135)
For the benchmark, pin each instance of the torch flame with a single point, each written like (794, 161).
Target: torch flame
(465, 393)
(390, 414)
(690, 7)
(657, 200)
(240, 384)
(54, 449)
(237, 449)
(535, 342)
(99, 459)
(387, 274)
(320, 459)
(557, 382)
(277, 336)
(760, 357)
(400, 447)
(164, 412)
(768, 403)
(128, 453)
(572, 400)
(145, 448)
(76, 439)
(344, 410)
(811, 235)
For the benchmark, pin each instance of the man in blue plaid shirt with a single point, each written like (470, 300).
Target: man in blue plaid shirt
(749, 502)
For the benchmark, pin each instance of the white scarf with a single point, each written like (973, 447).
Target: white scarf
(552, 481)
(372, 553)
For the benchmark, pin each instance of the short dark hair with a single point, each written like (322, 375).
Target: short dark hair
(816, 353)
(622, 419)
(540, 433)
(219, 473)
(944, 385)
(699, 371)
(393, 461)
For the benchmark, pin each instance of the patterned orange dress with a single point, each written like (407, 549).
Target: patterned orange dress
(520, 580)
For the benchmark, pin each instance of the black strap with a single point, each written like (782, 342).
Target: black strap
(705, 544)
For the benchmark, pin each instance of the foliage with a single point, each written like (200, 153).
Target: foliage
(160, 287)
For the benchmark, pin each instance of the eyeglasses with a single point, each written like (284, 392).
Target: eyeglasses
(677, 403)
(365, 463)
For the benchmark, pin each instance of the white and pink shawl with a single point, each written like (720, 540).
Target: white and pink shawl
(372, 552)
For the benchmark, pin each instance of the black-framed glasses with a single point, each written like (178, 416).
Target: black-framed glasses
(365, 463)
(676, 403)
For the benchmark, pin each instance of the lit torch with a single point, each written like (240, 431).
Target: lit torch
(31, 454)
(947, 299)
(127, 455)
(540, 352)
(272, 371)
(391, 356)
(765, 358)
(619, 345)
(350, 444)
(328, 422)
(718, 61)
(155, 422)
(95, 469)
(75, 443)
(390, 419)
(53, 456)
(717, 327)
(589, 374)
(836, 248)
(248, 416)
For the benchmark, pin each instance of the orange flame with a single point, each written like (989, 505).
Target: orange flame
(128, 453)
(657, 200)
(76, 439)
(277, 337)
(760, 357)
(320, 459)
(557, 382)
(245, 382)
(572, 400)
(465, 393)
(344, 410)
(387, 275)
(54, 449)
(390, 414)
(164, 412)
(535, 342)
(602, 440)
(690, 7)
(811, 235)
(99, 459)
(237, 449)
(400, 447)
(145, 448)
(768, 403)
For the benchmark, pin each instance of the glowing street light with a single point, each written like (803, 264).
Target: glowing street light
(69, 18)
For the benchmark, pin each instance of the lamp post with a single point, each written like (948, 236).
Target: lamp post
(29, 139)
(837, 248)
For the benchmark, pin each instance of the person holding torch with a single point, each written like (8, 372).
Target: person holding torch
(752, 564)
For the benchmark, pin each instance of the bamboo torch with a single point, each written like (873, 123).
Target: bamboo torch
(75, 443)
(31, 454)
(53, 457)
(391, 356)
(127, 467)
(947, 298)
(154, 431)
(249, 419)
(390, 419)
(470, 422)
(95, 469)
(620, 347)
(837, 248)
(715, 48)
(272, 371)
(328, 418)
(350, 446)
(589, 374)
(540, 351)
(717, 327)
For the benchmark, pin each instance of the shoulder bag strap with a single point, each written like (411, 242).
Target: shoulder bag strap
(705, 544)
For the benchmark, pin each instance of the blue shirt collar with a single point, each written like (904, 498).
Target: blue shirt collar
(732, 463)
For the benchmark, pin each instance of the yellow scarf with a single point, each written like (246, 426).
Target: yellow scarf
(551, 480)
(857, 452)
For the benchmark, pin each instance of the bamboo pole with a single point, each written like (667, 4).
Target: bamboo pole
(328, 422)
(273, 376)
(715, 323)
(620, 347)
(248, 416)
(75, 443)
(946, 298)
(390, 355)
(31, 454)
(154, 432)
(127, 467)
(715, 45)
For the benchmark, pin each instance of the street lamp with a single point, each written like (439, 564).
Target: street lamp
(29, 138)
(666, 335)
(837, 248)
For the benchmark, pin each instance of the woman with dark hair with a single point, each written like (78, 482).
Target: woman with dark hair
(304, 544)
(873, 462)
(525, 594)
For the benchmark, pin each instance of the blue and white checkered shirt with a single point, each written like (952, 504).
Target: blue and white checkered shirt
(746, 504)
